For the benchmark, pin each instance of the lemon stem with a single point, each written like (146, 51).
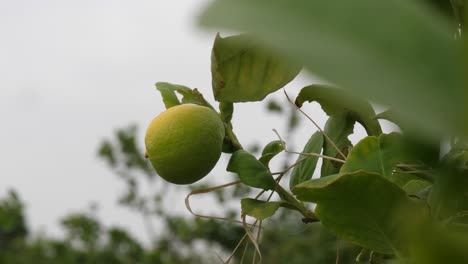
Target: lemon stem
(232, 137)
(309, 216)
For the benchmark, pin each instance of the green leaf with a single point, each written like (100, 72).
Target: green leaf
(242, 71)
(189, 96)
(415, 69)
(251, 171)
(271, 149)
(415, 186)
(338, 128)
(167, 91)
(401, 179)
(362, 207)
(305, 170)
(376, 154)
(259, 209)
(337, 102)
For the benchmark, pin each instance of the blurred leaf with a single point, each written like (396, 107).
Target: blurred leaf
(251, 171)
(415, 186)
(356, 45)
(338, 128)
(271, 150)
(444, 7)
(336, 102)
(130, 152)
(439, 245)
(305, 170)
(388, 115)
(293, 119)
(106, 152)
(189, 96)
(419, 148)
(274, 106)
(241, 190)
(261, 210)
(449, 194)
(376, 154)
(242, 71)
(254, 148)
(82, 228)
(362, 207)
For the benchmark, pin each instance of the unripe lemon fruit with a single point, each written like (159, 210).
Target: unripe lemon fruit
(184, 143)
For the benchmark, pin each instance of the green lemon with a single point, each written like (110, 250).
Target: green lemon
(184, 143)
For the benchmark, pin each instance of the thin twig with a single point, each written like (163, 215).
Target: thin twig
(306, 154)
(413, 171)
(260, 225)
(258, 240)
(401, 165)
(281, 173)
(316, 125)
(235, 249)
(220, 258)
(207, 190)
(423, 174)
(245, 250)
(252, 238)
(337, 261)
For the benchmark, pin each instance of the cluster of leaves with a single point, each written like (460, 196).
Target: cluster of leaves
(387, 190)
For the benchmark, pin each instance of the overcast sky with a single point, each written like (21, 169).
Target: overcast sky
(74, 71)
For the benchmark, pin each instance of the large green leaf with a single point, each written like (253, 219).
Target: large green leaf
(338, 128)
(362, 207)
(376, 154)
(251, 171)
(336, 102)
(243, 71)
(413, 68)
(305, 169)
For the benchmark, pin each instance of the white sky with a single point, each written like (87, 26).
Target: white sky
(71, 72)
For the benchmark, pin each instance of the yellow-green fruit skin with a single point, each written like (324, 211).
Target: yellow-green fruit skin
(184, 143)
